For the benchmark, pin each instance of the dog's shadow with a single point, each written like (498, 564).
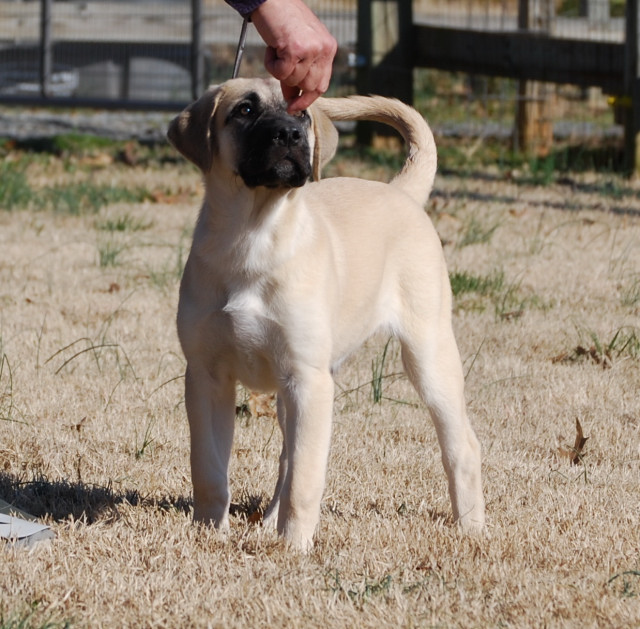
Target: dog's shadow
(64, 500)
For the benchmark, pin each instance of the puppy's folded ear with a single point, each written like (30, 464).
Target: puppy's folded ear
(326, 139)
(191, 131)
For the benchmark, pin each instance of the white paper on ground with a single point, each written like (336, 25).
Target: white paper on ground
(21, 530)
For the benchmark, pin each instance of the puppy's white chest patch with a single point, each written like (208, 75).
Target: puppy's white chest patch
(254, 331)
(248, 312)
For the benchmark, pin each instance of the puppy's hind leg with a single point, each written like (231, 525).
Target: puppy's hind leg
(210, 403)
(433, 365)
(271, 514)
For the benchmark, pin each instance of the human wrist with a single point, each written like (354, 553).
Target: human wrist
(245, 7)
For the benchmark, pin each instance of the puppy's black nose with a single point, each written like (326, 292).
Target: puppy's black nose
(287, 136)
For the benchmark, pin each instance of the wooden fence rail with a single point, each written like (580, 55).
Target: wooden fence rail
(524, 56)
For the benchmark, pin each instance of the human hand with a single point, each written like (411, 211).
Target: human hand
(300, 50)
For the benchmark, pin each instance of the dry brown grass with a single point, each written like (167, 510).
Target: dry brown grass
(93, 435)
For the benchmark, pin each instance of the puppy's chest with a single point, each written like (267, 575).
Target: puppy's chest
(255, 336)
(250, 318)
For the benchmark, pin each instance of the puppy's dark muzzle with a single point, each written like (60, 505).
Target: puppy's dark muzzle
(276, 153)
(287, 136)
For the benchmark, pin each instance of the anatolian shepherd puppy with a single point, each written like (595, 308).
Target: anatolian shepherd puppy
(288, 274)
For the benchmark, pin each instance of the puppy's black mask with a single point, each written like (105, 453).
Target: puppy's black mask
(273, 145)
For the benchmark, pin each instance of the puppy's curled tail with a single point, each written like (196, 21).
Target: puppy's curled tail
(419, 170)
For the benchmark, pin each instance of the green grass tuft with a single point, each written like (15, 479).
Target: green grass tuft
(465, 282)
(87, 198)
(75, 199)
(124, 223)
(15, 191)
(476, 233)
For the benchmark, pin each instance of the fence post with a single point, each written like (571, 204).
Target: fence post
(534, 130)
(384, 53)
(45, 48)
(594, 10)
(197, 59)
(632, 88)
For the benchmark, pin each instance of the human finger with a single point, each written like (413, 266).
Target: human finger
(302, 101)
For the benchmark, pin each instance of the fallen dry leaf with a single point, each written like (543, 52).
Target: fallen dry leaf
(129, 154)
(262, 405)
(258, 405)
(575, 454)
(599, 358)
(95, 160)
(171, 197)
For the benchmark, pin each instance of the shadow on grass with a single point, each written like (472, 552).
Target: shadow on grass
(63, 500)
(609, 189)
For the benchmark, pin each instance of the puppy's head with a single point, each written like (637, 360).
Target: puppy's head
(242, 128)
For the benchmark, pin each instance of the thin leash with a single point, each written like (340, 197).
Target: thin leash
(240, 50)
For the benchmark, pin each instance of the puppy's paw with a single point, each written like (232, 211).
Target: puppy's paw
(296, 538)
(270, 519)
(472, 524)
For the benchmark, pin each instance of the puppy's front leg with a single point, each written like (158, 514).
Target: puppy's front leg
(308, 399)
(210, 402)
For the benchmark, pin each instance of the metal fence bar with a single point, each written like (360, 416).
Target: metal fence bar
(46, 50)
(523, 15)
(129, 104)
(631, 116)
(197, 58)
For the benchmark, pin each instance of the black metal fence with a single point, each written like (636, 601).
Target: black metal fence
(146, 54)
(159, 54)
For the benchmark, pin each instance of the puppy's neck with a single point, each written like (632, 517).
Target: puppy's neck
(232, 206)
(238, 228)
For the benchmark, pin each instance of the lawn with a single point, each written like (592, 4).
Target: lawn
(94, 439)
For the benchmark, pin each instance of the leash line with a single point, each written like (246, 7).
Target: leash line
(240, 49)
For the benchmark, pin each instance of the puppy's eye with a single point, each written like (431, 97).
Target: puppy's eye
(300, 114)
(245, 111)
